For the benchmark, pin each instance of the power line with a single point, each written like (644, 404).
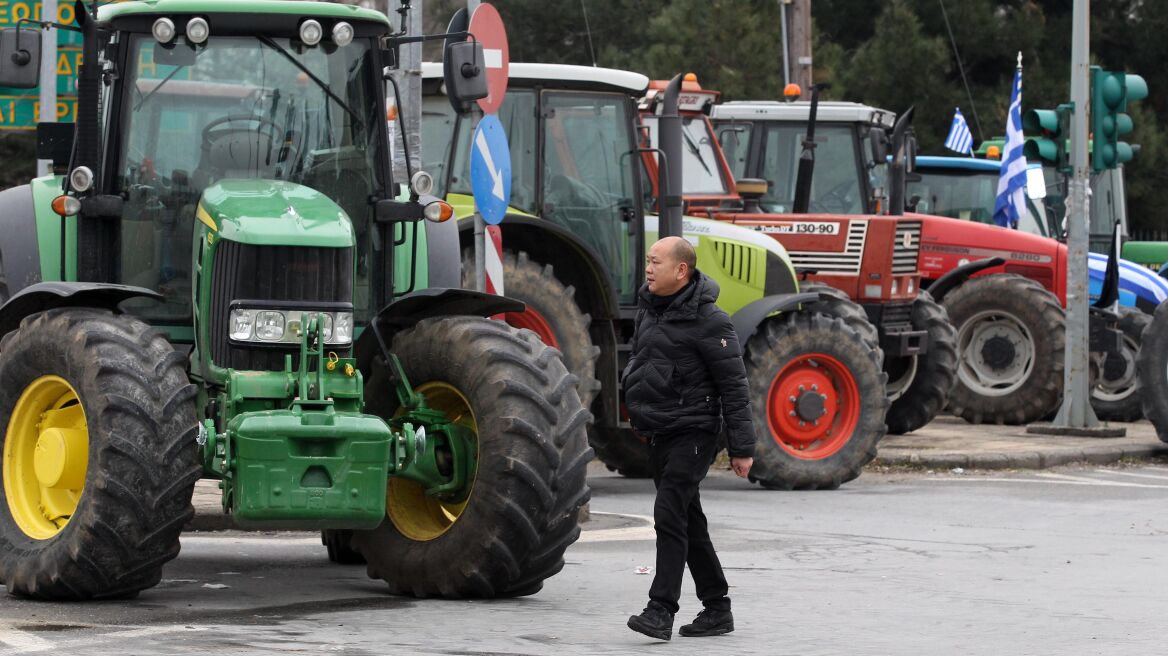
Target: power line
(961, 68)
(591, 50)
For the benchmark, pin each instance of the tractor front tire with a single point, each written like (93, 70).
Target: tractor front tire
(934, 372)
(520, 513)
(817, 394)
(337, 542)
(1152, 367)
(1010, 338)
(100, 455)
(1116, 395)
(621, 450)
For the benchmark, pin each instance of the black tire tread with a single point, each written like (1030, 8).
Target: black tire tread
(1042, 394)
(928, 393)
(144, 461)
(520, 519)
(1152, 369)
(777, 341)
(1132, 323)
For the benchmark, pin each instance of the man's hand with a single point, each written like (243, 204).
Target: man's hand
(741, 466)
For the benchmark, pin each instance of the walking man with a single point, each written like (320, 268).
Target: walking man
(685, 380)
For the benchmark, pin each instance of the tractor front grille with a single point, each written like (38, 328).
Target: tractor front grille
(846, 261)
(907, 247)
(287, 275)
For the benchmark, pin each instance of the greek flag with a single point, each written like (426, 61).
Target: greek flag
(1011, 200)
(959, 140)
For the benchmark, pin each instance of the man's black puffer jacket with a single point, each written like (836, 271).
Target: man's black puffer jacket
(685, 372)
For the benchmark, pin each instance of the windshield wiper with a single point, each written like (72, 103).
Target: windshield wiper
(267, 41)
(693, 148)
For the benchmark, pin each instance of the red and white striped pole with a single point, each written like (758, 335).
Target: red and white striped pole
(494, 260)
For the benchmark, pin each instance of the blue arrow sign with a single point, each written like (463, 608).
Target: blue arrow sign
(490, 170)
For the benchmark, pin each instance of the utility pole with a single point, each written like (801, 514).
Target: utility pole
(786, 42)
(800, 53)
(1076, 417)
(48, 97)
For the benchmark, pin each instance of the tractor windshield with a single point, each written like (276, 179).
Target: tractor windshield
(700, 168)
(241, 107)
(835, 185)
(968, 195)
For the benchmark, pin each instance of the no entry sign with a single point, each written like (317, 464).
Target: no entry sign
(486, 27)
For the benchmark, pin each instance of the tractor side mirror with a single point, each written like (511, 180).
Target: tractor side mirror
(466, 73)
(1035, 183)
(879, 142)
(20, 58)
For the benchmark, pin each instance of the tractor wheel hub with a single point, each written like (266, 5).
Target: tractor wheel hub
(998, 352)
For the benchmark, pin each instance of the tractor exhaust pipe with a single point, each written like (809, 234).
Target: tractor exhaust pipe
(898, 170)
(807, 158)
(669, 176)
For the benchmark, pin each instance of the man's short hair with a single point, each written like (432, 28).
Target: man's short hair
(683, 251)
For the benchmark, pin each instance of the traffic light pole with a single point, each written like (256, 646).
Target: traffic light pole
(1076, 412)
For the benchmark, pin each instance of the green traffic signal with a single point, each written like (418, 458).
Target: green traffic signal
(1048, 128)
(1110, 93)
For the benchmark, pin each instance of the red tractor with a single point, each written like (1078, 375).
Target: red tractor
(1005, 296)
(870, 259)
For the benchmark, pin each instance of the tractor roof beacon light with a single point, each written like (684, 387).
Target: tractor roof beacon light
(81, 179)
(163, 30)
(342, 34)
(198, 30)
(792, 92)
(311, 32)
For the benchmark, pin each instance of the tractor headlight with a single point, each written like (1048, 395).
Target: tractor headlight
(285, 327)
(198, 30)
(311, 32)
(269, 325)
(163, 30)
(342, 34)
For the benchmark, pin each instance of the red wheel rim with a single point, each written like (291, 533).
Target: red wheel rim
(819, 392)
(535, 322)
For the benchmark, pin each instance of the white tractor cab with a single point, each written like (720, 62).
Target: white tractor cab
(762, 139)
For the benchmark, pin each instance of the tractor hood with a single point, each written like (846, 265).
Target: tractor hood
(274, 213)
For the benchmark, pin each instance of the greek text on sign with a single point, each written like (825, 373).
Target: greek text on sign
(802, 228)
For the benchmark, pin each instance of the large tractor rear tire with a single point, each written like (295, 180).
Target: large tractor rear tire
(1116, 395)
(100, 455)
(1152, 367)
(921, 384)
(520, 512)
(338, 543)
(551, 313)
(1010, 338)
(918, 386)
(817, 394)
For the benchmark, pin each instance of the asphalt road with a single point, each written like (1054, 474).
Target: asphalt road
(1060, 562)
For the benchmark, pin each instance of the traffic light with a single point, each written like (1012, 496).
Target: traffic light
(1110, 93)
(1053, 128)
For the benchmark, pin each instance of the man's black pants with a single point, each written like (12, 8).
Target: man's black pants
(679, 463)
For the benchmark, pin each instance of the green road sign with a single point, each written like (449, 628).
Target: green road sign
(20, 108)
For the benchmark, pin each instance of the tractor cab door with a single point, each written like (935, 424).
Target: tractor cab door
(589, 178)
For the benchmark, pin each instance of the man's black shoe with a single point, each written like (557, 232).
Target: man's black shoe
(709, 622)
(654, 621)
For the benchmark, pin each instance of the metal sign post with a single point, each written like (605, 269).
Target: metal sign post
(487, 27)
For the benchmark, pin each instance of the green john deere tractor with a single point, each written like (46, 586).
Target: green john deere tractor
(222, 285)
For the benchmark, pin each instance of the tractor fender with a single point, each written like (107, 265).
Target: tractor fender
(952, 279)
(48, 295)
(747, 320)
(443, 254)
(427, 303)
(20, 261)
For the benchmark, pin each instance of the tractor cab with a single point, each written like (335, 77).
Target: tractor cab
(763, 140)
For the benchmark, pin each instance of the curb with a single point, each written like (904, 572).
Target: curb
(1096, 455)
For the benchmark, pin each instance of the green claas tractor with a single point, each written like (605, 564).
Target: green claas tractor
(574, 241)
(221, 284)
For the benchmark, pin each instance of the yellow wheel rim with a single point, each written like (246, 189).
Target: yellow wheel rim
(417, 516)
(46, 455)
